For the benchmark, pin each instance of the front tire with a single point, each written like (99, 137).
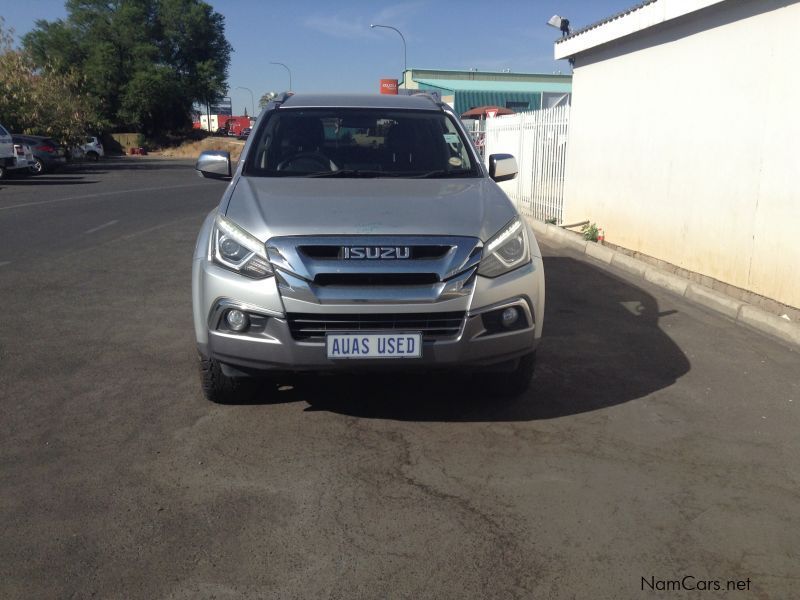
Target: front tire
(516, 382)
(221, 389)
(93, 156)
(38, 167)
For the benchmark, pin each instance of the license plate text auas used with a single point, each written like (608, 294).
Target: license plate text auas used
(374, 345)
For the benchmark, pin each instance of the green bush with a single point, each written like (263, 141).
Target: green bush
(590, 232)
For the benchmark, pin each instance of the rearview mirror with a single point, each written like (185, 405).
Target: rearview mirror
(502, 167)
(214, 163)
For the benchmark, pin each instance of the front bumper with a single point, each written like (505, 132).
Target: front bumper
(52, 162)
(274, 349)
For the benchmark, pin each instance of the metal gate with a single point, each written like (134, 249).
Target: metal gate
(538, 140)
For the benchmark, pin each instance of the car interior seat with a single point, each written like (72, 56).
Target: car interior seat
(400, 147)
(307, 134)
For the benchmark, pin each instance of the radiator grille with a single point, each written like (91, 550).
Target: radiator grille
(418, 252)
(438, 325)
(366, 279)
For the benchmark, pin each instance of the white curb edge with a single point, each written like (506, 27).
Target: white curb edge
(739, 311)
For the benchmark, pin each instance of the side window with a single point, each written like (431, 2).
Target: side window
(264, 152)
(3, 132)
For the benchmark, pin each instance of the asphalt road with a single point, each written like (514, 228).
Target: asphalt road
(658, 441)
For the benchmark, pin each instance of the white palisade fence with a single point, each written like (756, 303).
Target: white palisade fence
(538, 140)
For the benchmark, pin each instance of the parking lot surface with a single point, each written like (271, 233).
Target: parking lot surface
(658, 440)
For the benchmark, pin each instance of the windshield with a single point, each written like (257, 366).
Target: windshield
(356, 142)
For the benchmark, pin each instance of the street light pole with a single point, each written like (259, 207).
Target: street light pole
(288, 70)
(405, 49)
(252, 101)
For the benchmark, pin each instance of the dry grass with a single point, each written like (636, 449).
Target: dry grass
(193, 149)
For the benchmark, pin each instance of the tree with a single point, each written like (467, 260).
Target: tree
(146, 61)
(266, 99)
(42, 100)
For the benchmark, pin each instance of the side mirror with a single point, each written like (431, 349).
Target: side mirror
(214, 163)
(502, 167)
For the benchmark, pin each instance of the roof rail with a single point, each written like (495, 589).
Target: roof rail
(439, 103)
(280, 99)
(434, 100)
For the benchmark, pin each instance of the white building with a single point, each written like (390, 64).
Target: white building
(698, 164)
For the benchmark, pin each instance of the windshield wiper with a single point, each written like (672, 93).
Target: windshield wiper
(351, 173)
(442, 173)
(355, 173)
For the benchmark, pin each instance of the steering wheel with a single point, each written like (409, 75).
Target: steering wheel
(307, 161)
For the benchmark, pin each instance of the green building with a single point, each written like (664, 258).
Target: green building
(464, 90)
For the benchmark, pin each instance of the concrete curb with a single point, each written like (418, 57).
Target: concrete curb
(741, 312)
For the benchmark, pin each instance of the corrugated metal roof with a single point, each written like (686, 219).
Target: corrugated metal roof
(473, 73)
(645, 15)
(471, 85)
(597, 24)
(466, 99)
(473, 99)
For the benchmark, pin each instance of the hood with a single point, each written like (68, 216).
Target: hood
(280, 206)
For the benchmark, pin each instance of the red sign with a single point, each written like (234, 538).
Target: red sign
(389, 86)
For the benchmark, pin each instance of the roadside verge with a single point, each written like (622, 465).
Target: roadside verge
(741, 312)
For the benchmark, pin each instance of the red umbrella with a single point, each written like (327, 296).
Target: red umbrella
(483, 111)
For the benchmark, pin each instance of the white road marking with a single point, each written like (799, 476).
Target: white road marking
(151, 229)
(103, 226)
(101, 194)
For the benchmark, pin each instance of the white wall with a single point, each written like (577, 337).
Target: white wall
(698, 162)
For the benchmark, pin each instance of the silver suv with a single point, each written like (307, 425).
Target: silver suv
(362, 233)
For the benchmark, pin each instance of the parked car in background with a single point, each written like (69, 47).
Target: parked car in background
(244, 133)
(93, 148)
(90, 149)
(7, 155)
(48, 155)
(23, 155)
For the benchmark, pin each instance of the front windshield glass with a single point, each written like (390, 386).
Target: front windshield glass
(350, 142)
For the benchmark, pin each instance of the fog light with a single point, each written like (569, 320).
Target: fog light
(237, 320)
(509, 317)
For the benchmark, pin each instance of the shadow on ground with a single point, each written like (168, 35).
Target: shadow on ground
(78, 173)
(129, 163)
(602, 346)
(59, 178)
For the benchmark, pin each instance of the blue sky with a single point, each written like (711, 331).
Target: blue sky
(330, 47)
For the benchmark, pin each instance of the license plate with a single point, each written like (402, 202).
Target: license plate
(374, 345)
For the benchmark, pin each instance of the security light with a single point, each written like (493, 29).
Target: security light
(560, 23)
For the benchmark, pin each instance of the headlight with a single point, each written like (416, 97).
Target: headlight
(505, 251)
(235, 249)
